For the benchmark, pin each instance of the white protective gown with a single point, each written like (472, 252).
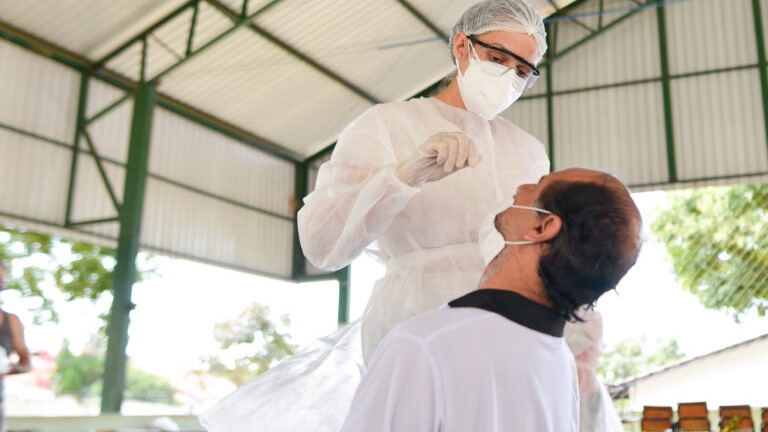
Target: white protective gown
(426, 236)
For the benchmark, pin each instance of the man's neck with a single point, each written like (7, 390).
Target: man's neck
(511, 276)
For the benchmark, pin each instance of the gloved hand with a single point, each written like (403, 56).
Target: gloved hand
(439, 156)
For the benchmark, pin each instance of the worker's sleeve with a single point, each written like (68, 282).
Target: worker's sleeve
(356, 196)
(399, 392)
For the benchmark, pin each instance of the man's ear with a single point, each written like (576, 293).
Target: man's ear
(460, 45)
(548, 228)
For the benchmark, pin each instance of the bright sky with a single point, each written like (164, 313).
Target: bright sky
(171, 327)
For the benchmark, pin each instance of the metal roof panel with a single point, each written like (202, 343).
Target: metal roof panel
(64, 22)
(250, 82)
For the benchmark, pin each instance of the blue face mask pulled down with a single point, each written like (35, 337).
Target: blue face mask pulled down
(490, 239)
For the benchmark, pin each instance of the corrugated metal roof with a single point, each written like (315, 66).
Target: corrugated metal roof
(90, 28)
(276, 80)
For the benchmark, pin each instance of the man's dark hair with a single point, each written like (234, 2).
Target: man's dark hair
(598, 243)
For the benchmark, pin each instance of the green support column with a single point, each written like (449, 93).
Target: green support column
(127, 248)
(762, 63)
(344, 278)
(552, 43)
(298, 269)
(666, 88)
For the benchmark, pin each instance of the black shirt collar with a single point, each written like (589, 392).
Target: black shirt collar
(514, 307)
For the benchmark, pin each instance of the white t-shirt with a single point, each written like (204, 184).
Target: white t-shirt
(467, 368)
(427, 237)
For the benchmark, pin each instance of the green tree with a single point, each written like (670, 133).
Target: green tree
(81, 375)
(632, 357)
(78, 375)
(143, 386)
(77, 269)
(716, 238)
(250, 345)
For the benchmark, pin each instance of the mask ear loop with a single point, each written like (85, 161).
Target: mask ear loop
(525, 242)
(470, 51)
(473, 50)
(519, 242)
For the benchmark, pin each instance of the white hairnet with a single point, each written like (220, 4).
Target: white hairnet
(515, 16)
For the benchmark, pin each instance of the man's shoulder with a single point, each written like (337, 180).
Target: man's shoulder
(436, 323)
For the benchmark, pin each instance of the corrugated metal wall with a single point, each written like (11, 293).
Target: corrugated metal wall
(211, 194)
(40, 98)
(209, 197)
(718, 117)
(608, 101)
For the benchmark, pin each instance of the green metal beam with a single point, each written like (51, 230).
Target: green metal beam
(344, 278)
(192, 27)
(220, 198)
(296, 53)
(108, 109)
(552, 42)
(79, 127)
(143, 68)
(589, 29)
(753, 176)
(564, 11)
(320, 154)
(143, 35)
(301, 188)
(554, 5)
(593, 35)
(94, 221)
(102, 171)
(761, 60)
(242, 21)
(600, 17)
(667, 94)
(424, 20)
(230, 130)
(127, 249)
(550, 120)
(22, 132)
(43, 48)
(153, 176)
(163, 251)
(672, 77)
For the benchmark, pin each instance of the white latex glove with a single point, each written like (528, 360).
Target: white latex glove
(439, 156)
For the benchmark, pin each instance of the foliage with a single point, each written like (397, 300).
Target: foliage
(632, 357)
(716, 240)
(250, 345)
(143, 386)
(79, 270)
(81, 375)
(78, 375)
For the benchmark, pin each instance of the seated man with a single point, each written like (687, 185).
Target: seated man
(495, 359)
